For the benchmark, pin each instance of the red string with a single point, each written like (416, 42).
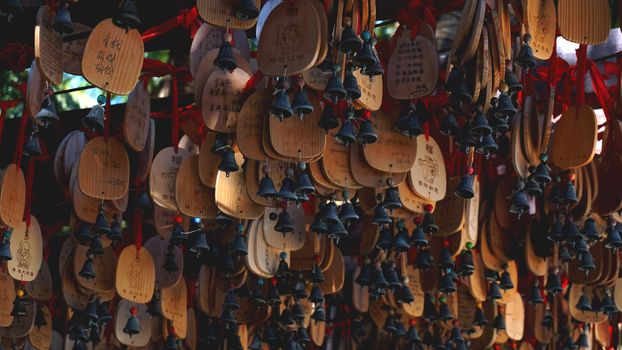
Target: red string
(107, 118)
(415, 13)
(581, 71)
(185, 18)
(600, 89)
(21, 136)
(553, 65)
(30, 175)
(175, 115)
(253, 81)
(137, 223)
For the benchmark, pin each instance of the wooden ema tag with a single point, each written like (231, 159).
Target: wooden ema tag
(135, 277)
(41, 336)
(41, 287)
(476, 282)
(163, 175)
(490, 261)
(158, 248)
(519, 159)
(499, 241)
(86, 208)
(7, 296)
(463, 31)
(414, 309)
(428, 177)
(73, 297)
(503, 195)
(251, 256)
(289, 241)
(266, 258)
(103, 265)
(221, 100)
(296, 138)
(371, 91)
(466, 308)
(535, 264)
(514, 315)
(471, 226)
(316, 78)
(249, 129)
(137, 115)
(190, 341)
(360, 294)
(208, 161)
(290, 39)
(574, 142)
(413, 67)
(208, 38)
(27, 251)
(12, 196)
(163, 220)
(412, 203)
(48, 46)
(71, 153)
(367, 176)
(35, 90)
(21, 326)
(174, 306)
(193, 197)
(449, 212)
(336, 166)
(576, 290)
(104, 169)
(393, 152)
(584, 22)
(73, 50)
(232, 197)
(542, 20)
(121, 317)
(222, 13)
(303, 259)
(335, 275)
(113, 58)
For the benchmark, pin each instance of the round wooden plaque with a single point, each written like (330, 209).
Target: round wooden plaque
(163, 176)
(12, 196)
(113, 57)
(137, 115)
(104, 169)
(193, 197)
(27, 251)
(514, 315)
(221, 99)
(286, 242)
(35, 91)
(232, 197)
(135, 277)
(371, 91)
(542, 19)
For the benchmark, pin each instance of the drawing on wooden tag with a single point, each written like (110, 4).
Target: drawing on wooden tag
(27, 251)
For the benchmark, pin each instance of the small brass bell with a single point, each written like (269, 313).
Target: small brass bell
(200, 245)
(525, 57)
(318, 226)
(94, 120)
(613, 240)
(328, 120)
(429, 224)
(132, 326)
(319, 315)
(301, 105)
(401, 242)
(607, 305)
(510, 79)
(520, 202)
(281, 108)
(385, 240)
(378, 280)
(349, 42)
(479, 125)
(228, 164)
(532, 188)
(465, 187)
(380, 216)
(316, 295)
(391, 276)
(346, 134)
(127, 15)
(564, 254)
(445, 261)
(88, 269)
(225, 60)
(351, 85)
(63, 24)
(404, 294)
(366, 57)
(304, 184)
(374, 70)
(115, 233)
(47, 113)
(32, 147)
(246, 10)
(297, 314)
(346, 210)
(408, 122)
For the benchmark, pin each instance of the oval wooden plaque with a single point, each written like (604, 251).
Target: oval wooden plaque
(221, 100)
(103, 265)
(48, 46)
(371, 91)
(41, 287)
(104, 169)
(222, 13)
(158, 248)
(428, 177)
(335, 165)
(21, 326)
(163, 176)
(174, 305)
(41, 336)
(286, 242)
(249, 129)
(574, 143)
(393, 152)
(233, 199)
(514, 315)
(542, 19)
(73, 50)
(27, 251)
(209, 37)
(35, 91)
(193, 197)
(12, 196)
(135, 277)
(113, 58)
(137, 114)
(7, 296)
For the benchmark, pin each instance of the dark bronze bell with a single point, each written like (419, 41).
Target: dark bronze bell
(557, 232)
(408, 122)
(302, 337)
(256, 343)
(287, 190)
(520, 202)
(330, 216)
(349, 42)
(101, 223)
(455, 78)
(536, 295)
(304, 184)
(505, 107)
(385, 239)
(316, 295)
(429, 309)
(391, 197)
(170, 263)
(83, 236)
(280, 107)
(429, 224)
(444, 314)
(225, 60)
(418, 239)
(493, 291)
(487, 146)
(589, 230)
(297, 313)
(584, 303)
(318, 226)
(423, 260)
(200, 243)
(380, 216)
(389, 324)
(132, 326)
(445, 261)
(479, 319)
(462, 96)
(328, 120)
(532, 188)
(228, 163)
(547, 320)
(347, 133)
(266, 188)
(465, 187)
(613, 240)
(571, 231)
(103, 316)
(449, 125)
(401, 242)
(510, 79)
(127, 15)
(351, 85)
(239, 246)
(373, 70)
(171, 341)
(568, 194)
(413, 335)
(506, 282)
(587, 262)
(541, 173)
(334, 90)
(525, 58)
(337, 231)
(564, 254)
(115, 233)
(88, 269)
(221, 143)
(95, 248)
(404, 294)
(94, 120)
(63, 24)
(301, 105)
(378, 280)
(32, 148)
(319, 315)
(300, 290)
(582, 341)
(499, 322)
(479, 125)
(391, 276)
(246, 10)
(231, 301)
(365, 57)
(607, 305)
(447, 284)
(553, 283)
(143, 201)
(366, 134)
(47, 114)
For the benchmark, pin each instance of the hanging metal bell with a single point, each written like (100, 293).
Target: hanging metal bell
(281, 108)
(334, 90)
(541, 173)
(239, 246)
(445, 260)
(96, 247)
(284, 223)
(505, 107)
(536, 296)
(532, 188)
(347, 133)
(400, 331)
(47, 114)
(385, 239)
(378, 280)
(346, 210)
(5, 246)
(607, 304)
(589, 230)
(40, 320)
(94, 119)
(349, 42)
(479, 126)
(143, 202)
(225, 59)
(266, 188)
(613, 240)
(404, 294)
(63, 24)
(586, 263)
(297, 314)
(391, 197)
(571, 231)
(171, 342)
(287, 190)
(365, 57)
(510, 79)
(390, 274)
(466, 267)
(373, 70)
(351, 85)
(580, 246)
(319, 315)
(408, 122)
(449, 125)
(418, 239)
(493, 291)
(596, 305)
(318, 226)
(366, 134)
(429, 225)
(363, 278)
(256, 343)
(200, 245)
(447, 284)
(103, 315)
(170, 263)
(499, 322)
(584, 303)
(429, 309)
(462, 96)
(246, 10)
(465, 187)
(380, 216)
(231, 301)
(557, 232)
(330, 216)
(479, 319)
(506, 281)
(389, 324)
(316, 295)
(337, 231)
(401, 241)
(88, 269)
(228, 163)
(525, 58)
(301, 105)
(520, 203)
(582, 341)
(444, 314)
(127, 16)
(328, 120)
(83, 236)
(553, 283)
(413, 334)
(568, 194)
(132, 326)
